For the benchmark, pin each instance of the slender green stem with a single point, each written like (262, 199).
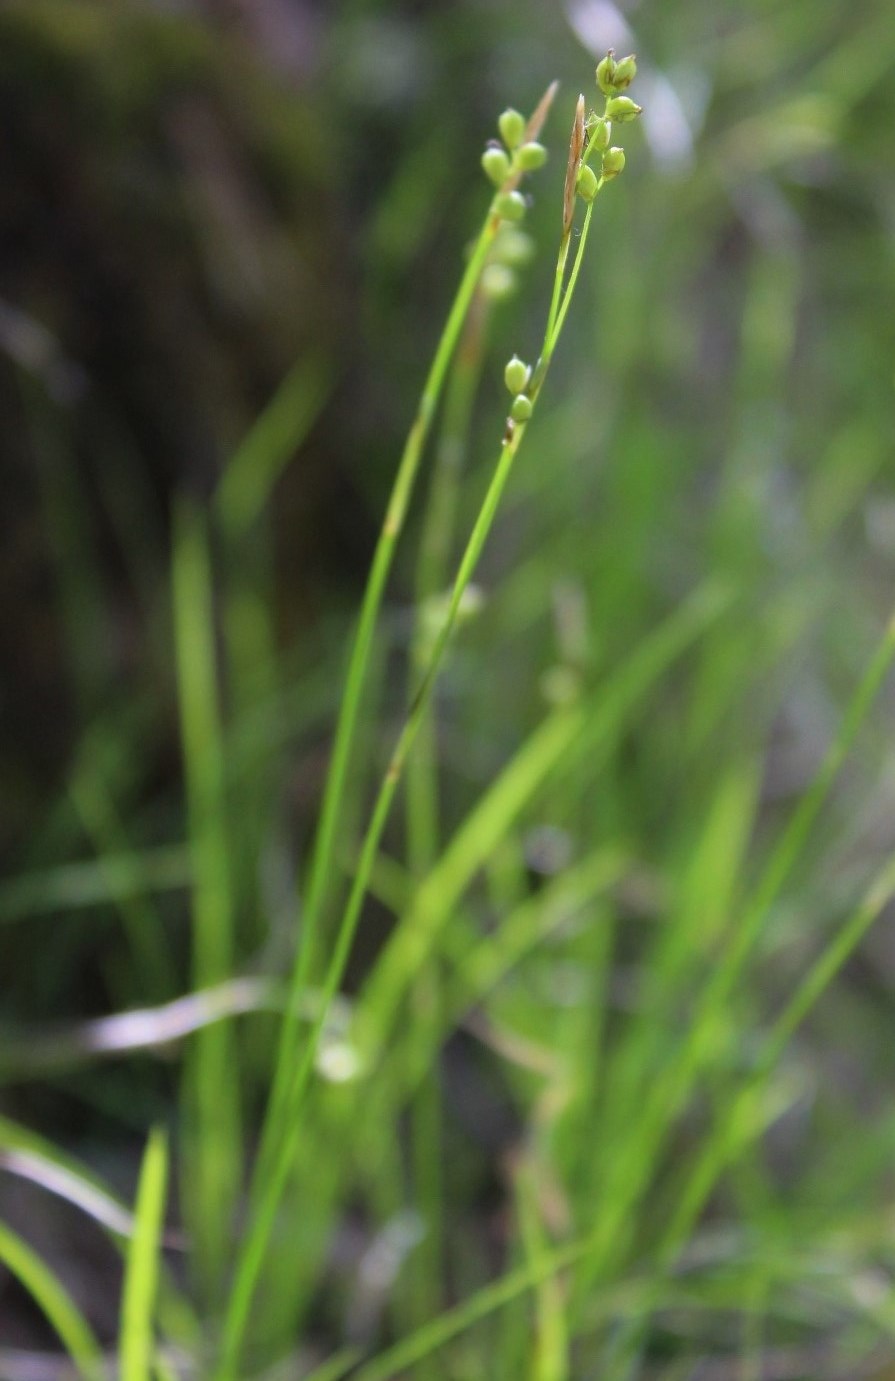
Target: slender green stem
(283, 1128)
(431, 573)
(281, 1160)
(324, 847)
(422, 785)
(277, 1171)
(269, 1180)
(212, 1090)
(323, 853)
(434, 1335)
(586, 727)
(321, 865)
(138, 1296)
(55, 1303)
(573, 279)
(558, 277)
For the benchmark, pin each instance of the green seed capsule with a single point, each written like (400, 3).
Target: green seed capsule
(498, 282)
(586, 185)
(606, 74)
(512, 128)
(521, 409)
(511, 206)
(622, 109)
(516, 374)
(613, 163)
(625, 72)
(496, 165)
(602, 135)
(531, 156)
(513, 247)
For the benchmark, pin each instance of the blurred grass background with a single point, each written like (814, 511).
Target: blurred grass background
(207, 206)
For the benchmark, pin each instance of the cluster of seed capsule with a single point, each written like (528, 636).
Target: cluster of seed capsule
(613, 79)
(505, 162)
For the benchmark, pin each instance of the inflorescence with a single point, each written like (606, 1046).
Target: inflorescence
(518, 152)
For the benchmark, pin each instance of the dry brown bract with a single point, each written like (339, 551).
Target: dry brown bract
(576, 148)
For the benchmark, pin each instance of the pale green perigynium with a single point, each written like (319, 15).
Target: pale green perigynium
(516, 374)
(622, 109)
(496, 164)
(613, 163)
(586, 183)
(512, 250)
(531, 156)
(512, 128)
(511, 206)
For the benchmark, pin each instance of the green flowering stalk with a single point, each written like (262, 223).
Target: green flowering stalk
(505, 167)
(589, 138)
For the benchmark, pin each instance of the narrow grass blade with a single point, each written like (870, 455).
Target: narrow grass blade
(54, 1302)
(630, 1173)
(75, 1189)
(726, 1138)
(113, 878)
(587, 728)
(549, 1344)
(140, 920)
(253, 470)
(280, 1112)
(142, 1265)
(334, 1368)
(213, 1142)
(33, 1157)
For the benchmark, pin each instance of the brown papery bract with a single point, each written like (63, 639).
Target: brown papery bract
(576, 148)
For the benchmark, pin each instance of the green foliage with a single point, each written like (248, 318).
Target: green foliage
(508, 960)
(138, 1301)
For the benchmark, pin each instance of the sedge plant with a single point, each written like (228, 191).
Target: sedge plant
(606, 1125)
(592, 163)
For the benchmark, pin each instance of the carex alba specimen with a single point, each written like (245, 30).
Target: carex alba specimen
(592, 163)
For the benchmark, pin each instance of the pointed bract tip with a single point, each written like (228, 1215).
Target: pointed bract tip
(541, 111)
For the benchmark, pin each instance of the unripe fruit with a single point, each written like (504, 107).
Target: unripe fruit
(512, 128)
(521, 409)
(602, 134)
(496, 165)
(622, 109)
(511, 206)
(605, 74)
(516, 374)
(498, 282)
(587, 184)
(625, 72)
(513, 247)
(531, 156)
(613, 163)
